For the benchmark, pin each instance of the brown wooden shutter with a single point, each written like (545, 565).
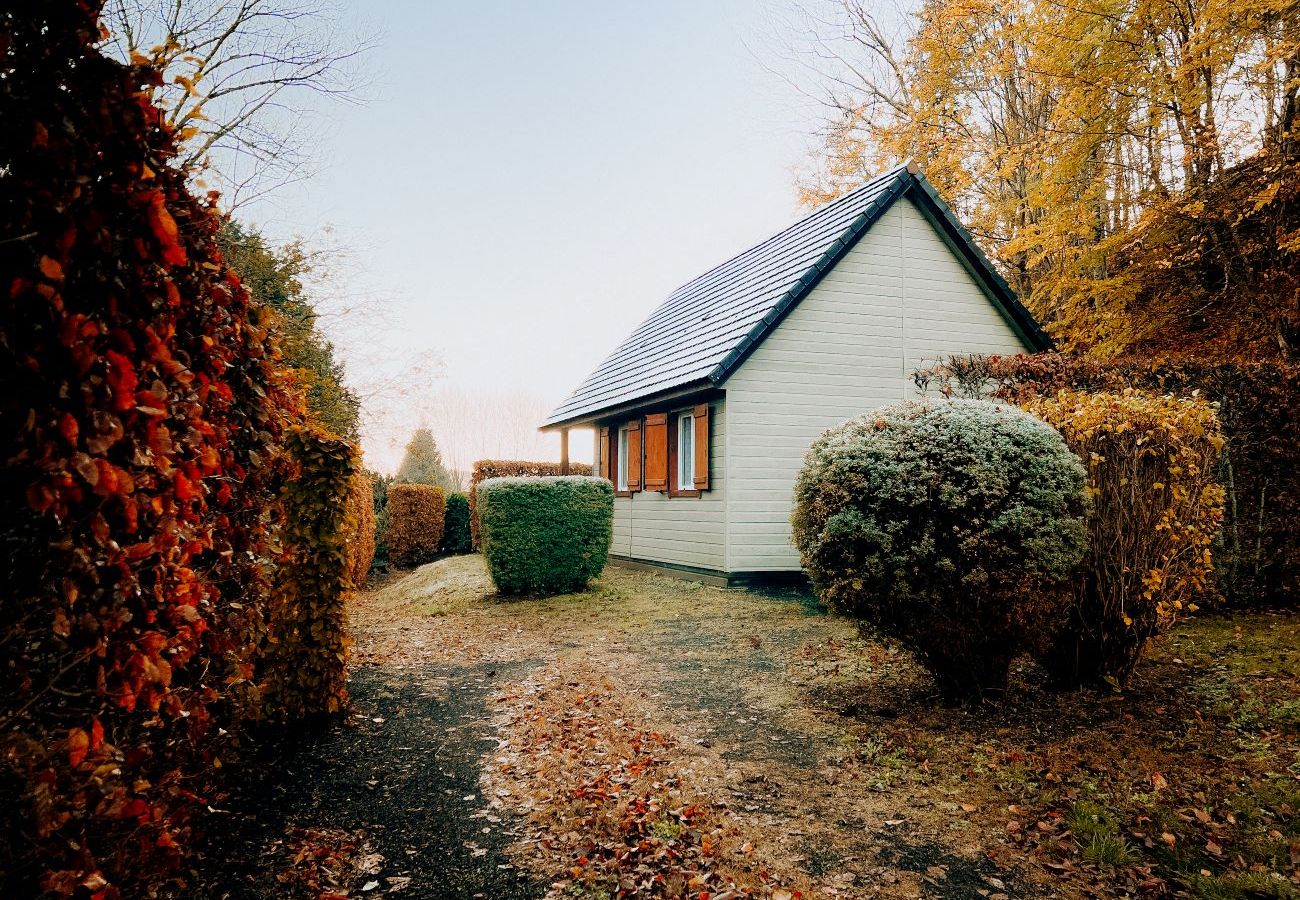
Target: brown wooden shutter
(634, 455)
(656, 452)
(604, 471)
(701, 415)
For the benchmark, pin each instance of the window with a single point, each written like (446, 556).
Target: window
(621, 468)
(685, 452)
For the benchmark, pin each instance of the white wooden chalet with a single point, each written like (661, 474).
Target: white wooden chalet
(704, 413)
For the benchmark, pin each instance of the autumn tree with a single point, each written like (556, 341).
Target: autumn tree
(1095, 150)
(422, 463)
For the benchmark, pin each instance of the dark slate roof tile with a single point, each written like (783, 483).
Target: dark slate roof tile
(706, 327)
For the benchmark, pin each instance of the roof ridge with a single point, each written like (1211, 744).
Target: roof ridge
(747, 295)
(873, 182)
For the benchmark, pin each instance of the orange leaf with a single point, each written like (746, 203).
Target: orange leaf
(78, 746)
(51, 269)
(165, 230)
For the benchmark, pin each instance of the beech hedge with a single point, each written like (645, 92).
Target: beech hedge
(1155, 515)
(361, 527)
(141, 444)
(545, 535)
(415, 522)
(304, 666)
(951, 526)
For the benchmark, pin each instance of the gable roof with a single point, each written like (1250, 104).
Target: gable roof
(708, 326)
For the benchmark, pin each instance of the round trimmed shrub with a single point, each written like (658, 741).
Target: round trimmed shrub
(545, 535)
(456, 533)
(415, 519)
(950, 526)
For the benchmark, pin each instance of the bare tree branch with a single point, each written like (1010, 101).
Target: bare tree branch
(239, 76)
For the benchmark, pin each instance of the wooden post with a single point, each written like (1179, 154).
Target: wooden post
(564, 451)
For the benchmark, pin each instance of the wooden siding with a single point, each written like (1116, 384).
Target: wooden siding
(900, 299)
(687, 531)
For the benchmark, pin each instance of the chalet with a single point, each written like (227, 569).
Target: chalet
(703, 415)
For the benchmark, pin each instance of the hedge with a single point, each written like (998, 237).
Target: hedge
(141, 432)
(508, 468)
(456, 536)
(950, 526)
(415, 520)
(1156, 512)
(545, 535)
(361, 527)
(1258, 556)
(305, 671)
(379, 485)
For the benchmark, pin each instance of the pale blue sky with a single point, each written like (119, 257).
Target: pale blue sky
(528, 180)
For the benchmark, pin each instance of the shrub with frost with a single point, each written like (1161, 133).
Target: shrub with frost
(951, 526)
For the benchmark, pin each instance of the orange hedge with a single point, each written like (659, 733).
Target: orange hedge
(415, 521)
(361, 528)
(1156, 510)
(507, 468)
(141, 432)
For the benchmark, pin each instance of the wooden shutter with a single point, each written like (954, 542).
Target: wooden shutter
(701, 414)
(656, 452)
(634, 455)
(603, 471)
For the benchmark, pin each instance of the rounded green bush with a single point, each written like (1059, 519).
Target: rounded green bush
(455, 529)
(950, 526)
(545, 535)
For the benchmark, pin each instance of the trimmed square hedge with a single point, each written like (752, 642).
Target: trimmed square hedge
(545, 535)
(415, 520)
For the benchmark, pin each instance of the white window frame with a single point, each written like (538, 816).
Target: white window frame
(686, 451)
(621, 456)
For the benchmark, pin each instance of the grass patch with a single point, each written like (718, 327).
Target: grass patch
(1246, 886)
(1089, 820)
(1109, 850)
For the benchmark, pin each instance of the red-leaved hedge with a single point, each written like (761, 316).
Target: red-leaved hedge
(141, 429)
(507, 468)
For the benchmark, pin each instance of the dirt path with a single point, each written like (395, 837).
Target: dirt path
(665, 739)
(391, 798)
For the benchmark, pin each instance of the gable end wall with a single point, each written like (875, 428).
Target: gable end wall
(898, 300)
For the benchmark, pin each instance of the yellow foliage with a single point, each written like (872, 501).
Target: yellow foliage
(1063, 133)
(1157, 509)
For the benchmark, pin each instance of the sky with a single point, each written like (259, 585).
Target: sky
(524, 182)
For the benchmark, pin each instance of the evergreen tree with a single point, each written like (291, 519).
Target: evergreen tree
(274, 276)
(422, 463)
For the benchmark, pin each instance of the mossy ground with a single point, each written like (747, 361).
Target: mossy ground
(842, 772)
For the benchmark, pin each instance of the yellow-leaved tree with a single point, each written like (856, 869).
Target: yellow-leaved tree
(1132, 166)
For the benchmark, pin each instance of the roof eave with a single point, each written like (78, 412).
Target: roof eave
(591, 417)
(995, 286)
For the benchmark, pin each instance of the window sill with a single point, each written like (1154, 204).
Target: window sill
(676, 493)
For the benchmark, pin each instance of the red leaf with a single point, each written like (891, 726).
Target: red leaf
(121, 380)
(51, 269)
(69, 429)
